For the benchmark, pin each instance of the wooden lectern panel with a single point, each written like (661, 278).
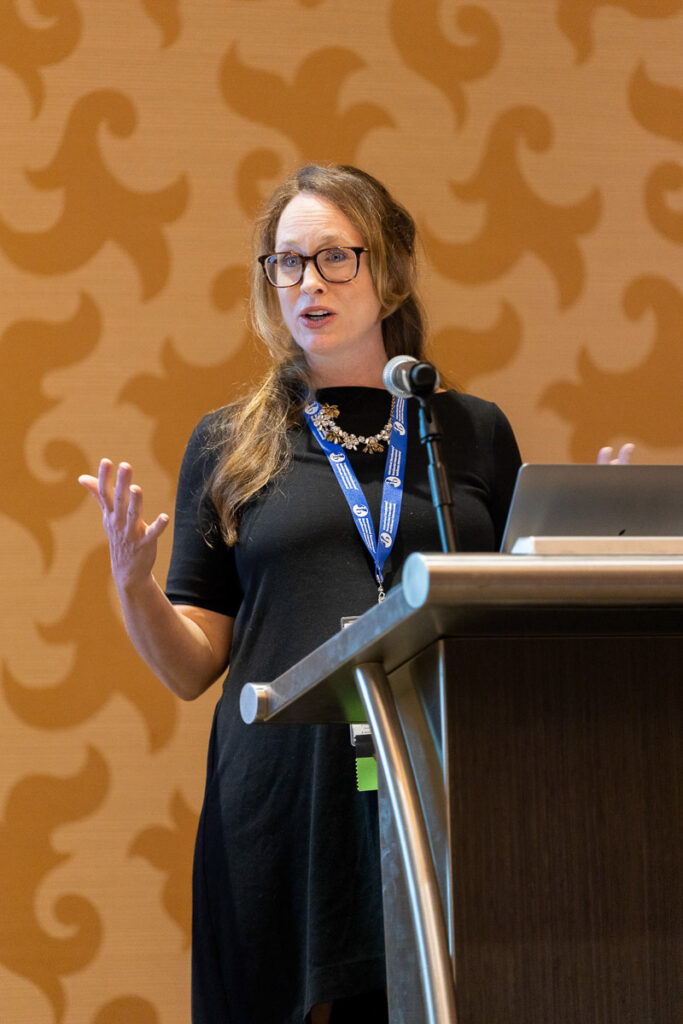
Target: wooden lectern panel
(565, 799)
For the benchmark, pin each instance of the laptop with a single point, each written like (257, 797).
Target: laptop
(595, 501)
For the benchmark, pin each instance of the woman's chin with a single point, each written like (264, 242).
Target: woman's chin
(319, 343)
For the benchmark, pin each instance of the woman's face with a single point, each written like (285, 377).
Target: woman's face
(336, 325)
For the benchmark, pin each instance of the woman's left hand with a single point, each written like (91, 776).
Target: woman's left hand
(623, 456)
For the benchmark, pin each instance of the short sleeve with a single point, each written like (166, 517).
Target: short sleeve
(202, 571)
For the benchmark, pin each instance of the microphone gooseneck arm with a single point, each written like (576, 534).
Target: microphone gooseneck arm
(439, 484)
(407, 377)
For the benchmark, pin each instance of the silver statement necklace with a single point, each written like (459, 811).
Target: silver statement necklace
(331, 431)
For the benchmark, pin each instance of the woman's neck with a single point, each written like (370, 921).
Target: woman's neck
(346, 381)
(330, 374)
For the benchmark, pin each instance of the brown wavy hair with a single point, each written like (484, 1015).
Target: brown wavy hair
(253, 433)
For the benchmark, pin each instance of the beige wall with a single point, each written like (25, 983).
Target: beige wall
(539, 143)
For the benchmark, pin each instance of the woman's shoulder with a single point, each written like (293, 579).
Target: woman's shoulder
(481, 418)
(204, 444)
(472, 405)
(208, 429)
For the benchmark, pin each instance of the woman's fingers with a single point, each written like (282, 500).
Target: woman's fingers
(99, 486)
(622, 458)
(121, 503)
(104, 485)
(154, 529)
(134, 501)
(90, 484)
(157, 527)
(132, 543)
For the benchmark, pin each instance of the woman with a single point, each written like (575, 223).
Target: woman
(267, 558)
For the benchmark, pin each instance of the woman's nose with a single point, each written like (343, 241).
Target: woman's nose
(312, 281)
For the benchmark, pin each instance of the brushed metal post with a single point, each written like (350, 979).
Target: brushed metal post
(423, 890)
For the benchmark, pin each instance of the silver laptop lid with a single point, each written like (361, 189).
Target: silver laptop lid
(595, 501)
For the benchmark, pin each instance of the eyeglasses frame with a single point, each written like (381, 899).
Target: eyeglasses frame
(355, 249)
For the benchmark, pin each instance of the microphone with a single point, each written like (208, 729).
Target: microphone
(407, 377)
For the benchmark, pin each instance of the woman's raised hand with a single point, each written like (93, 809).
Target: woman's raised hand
(132, 542)
(186, 647)
(606, 456)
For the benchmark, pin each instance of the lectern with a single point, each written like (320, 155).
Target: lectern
(526, 712)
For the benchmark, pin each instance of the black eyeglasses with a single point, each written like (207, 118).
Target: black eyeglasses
(336, 265)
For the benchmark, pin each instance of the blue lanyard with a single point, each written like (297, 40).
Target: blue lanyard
(392, 491)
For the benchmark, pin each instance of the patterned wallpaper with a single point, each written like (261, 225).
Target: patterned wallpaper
(539, 144)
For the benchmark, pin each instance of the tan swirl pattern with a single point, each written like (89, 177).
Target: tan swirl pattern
(417, 33)
(659, 109)
(307, 109)
(643, 400)
(517, 219)
(35, 808)
(576, 17)
(170, 850)
(106, 211)
(466, 352)
(127, 1010)
(29, 350)
(166, 14)
(540, 148)
(92, 680)
(27, 50)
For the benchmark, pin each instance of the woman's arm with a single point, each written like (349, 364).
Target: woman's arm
(185, 646)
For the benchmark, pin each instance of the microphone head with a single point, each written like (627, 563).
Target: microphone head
(424, 380)
(395, 376)
(407, 377)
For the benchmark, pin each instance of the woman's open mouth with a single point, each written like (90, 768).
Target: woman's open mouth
(316, 317)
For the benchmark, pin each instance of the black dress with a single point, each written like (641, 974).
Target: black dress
(287, 894)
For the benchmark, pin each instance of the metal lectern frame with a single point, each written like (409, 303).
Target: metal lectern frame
(360, 675)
